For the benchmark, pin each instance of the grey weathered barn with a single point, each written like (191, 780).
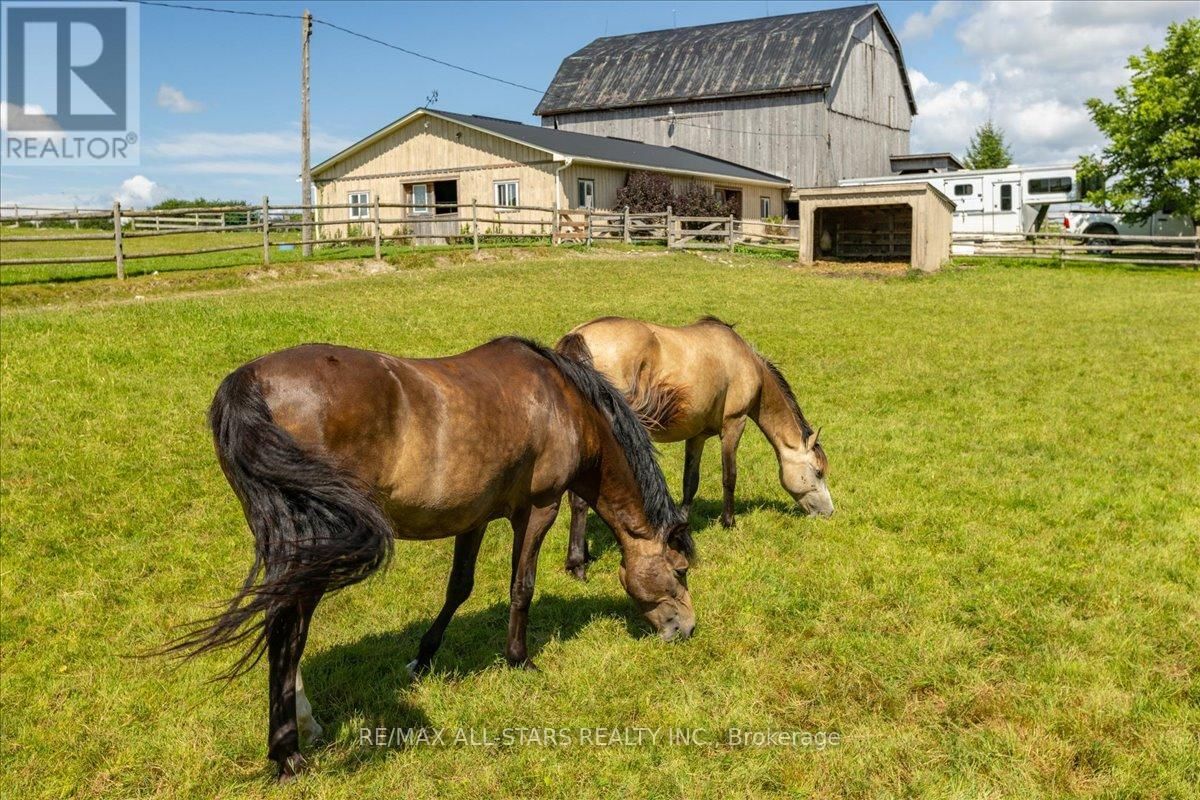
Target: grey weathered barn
(814, 97)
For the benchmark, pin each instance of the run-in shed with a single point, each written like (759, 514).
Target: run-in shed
(884, 222)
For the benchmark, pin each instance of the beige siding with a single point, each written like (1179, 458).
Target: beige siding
(932, 214)
(443, 150)
(428, 150)
(609, 180)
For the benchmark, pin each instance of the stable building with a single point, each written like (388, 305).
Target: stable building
(815, 97)
(441, 162)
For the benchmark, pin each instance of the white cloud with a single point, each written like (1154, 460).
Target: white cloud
(1036, 64)
(921, 24)
(135, 192)
(138, 191)
(176, 101)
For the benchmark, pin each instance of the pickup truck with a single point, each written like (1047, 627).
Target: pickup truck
(1095, 221)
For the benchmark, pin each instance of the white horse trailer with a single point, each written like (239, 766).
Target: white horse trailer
(1010, 200)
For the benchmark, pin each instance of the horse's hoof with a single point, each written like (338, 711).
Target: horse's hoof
(290, 768)
(726, 522)
(416, 669)
(525, 664)
(578, 573)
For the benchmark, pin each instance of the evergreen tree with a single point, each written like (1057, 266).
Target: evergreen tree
(987, 149)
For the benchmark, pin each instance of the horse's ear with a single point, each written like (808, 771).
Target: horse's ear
(680, 538)
(812, 440)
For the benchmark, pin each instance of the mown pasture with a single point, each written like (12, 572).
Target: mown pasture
(1007, 602)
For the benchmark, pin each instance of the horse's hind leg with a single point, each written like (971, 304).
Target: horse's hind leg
(694, 449)
(577, 546)
(287, 631)
(462, 581)
(731, 434)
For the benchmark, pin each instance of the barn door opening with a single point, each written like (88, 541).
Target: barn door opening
(863, 233)
(733, 197)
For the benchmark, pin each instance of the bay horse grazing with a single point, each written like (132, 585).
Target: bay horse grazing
(689, 384)
(334, 452)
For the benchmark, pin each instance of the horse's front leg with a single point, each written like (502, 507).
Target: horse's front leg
(529, 529)
(731, 435)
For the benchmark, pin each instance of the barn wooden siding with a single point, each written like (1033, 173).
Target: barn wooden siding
(813, 138)
(432, 149)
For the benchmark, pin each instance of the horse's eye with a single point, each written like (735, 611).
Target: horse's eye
(820, 474)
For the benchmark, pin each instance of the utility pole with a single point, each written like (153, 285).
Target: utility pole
(305, 171)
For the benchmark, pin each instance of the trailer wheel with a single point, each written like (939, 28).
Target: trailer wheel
(1103, 247)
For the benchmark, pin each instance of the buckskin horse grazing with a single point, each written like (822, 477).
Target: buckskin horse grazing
(334, 451)
(689, 384)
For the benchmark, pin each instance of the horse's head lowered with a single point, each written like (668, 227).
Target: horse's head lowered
(802, 473)
(654, 573)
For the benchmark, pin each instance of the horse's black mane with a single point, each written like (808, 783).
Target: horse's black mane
(628, 431)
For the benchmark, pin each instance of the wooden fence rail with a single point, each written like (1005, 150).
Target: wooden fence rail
(341, 224)
(1181, 251)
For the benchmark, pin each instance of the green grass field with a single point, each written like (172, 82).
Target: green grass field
(1007, 603)
(134, 247)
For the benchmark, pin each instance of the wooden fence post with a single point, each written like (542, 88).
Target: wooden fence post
(670, 225)
(731, 233)
(76, 217)
(378, 229)
(474, 225)
(266, 230)
(799, 246)
(587, 216)
(16, 216)
(120, 254)
(625, 229)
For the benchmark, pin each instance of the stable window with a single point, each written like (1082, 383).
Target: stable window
(507, 193)
(962, 189)
(1060, 185)
(585, 193)
(764, 207)
(421, 198)
(1006, 197)
(359, 202)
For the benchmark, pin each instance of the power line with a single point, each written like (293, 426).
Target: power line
(344, 30)
(467, 70)
(213, 10)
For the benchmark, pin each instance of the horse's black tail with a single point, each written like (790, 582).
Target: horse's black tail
(316, 530)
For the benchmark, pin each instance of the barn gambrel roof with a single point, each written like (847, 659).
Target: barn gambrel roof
(769, 55)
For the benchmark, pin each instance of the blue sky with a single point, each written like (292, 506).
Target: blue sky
(220, 106)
